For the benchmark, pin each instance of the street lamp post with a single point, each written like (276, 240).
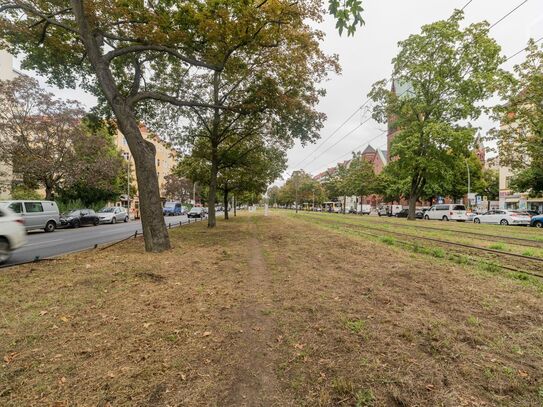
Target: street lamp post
(469, 186)
(128, 183)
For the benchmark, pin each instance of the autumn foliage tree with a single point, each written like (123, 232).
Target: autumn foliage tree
(50, 142)
(265, 93)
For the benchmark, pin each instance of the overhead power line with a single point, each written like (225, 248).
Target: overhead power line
(522, 50)
(465, 5)
(333, 133)
(359, 147)
(508, 14)
(341, 139)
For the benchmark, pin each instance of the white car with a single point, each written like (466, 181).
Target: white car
(12, 233)
(446, 212)
(113, 214)
(503, 217)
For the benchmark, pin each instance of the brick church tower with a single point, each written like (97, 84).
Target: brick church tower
(401, 90)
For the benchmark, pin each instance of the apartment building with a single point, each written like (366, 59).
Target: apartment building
(166, 160)
(6, 73)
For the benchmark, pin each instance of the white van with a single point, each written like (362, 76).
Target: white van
(447, 212)
(36, 214)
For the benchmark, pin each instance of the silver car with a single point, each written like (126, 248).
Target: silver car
(504, 217)
(113, 214)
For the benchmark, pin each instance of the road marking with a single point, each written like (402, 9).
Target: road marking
(47, 241)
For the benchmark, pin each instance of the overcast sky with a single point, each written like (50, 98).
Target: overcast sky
(365, 58)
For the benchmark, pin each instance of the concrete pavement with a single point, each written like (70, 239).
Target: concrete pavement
(63, 241)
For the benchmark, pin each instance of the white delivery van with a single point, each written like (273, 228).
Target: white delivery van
(35, 214)
(447, 212)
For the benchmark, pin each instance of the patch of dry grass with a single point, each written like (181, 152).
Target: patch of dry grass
(338, 321)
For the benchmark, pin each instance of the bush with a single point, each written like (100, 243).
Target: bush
(24, 192)
(67, 206)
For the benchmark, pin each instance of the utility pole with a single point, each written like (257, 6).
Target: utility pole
(313, 207)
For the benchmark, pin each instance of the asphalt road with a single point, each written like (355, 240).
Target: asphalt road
(64, 241)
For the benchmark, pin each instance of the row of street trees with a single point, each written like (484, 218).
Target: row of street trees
(357, 178)
(237, 73)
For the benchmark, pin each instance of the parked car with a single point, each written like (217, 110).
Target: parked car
(12, 233)
(470, 216)
(197, 212)
(79, 217)
(503, 217)
(173, 208)
(537, 221)
(419, 214)
(35, 214)
(533, 213)
(113, 214)
(447, 212)
(404, 213)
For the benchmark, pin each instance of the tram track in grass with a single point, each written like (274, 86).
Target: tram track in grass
(475, 254)
(538, 244)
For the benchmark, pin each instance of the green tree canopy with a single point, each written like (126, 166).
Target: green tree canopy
(447, 72)
(520, 136)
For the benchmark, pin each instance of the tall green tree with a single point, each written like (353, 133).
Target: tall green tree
(457, 186)
(361, 177)
(301, 188)
(520, 136)
(337, 183)
(489, 185)
(448, 71)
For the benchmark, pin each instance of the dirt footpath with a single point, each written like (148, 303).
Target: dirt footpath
(266, 311)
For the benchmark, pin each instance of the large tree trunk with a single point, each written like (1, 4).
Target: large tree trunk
(48, 193)
(235, 206)
(413, 198)
(154, 229)
(225, 193)
(344, 204)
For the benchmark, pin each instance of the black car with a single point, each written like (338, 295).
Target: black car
(402, 214)
(197, 212)
(420, 214)
(79, 217)
(533, 213)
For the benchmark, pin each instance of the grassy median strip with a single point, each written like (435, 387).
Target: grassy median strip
(266, 311)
